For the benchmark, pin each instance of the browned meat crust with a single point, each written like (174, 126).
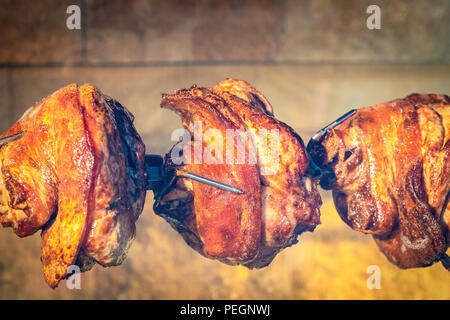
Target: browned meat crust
(280, 200)
(77, 174)
(389, 169)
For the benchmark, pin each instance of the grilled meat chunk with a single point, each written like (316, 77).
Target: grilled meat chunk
(77, 175)
(389, 169)
(234, 139)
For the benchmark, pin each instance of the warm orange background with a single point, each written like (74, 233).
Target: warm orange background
(312, 59)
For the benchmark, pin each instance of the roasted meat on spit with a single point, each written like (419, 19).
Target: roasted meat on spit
(280, 199)
(76, 169)
(389, 169)
(77, 175)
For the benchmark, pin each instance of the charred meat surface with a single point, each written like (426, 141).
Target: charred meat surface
(77, 175)
(265, 158)
(389, 169)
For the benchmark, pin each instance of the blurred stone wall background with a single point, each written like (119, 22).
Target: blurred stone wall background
(312, 59)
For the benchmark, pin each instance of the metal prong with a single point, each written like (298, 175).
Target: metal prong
(10, 138)
(192, 176)
(335, 123)
(314, 169)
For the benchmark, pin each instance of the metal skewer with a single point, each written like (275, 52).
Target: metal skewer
(158, 177)
(181, 173)
(154, 170)
(313, 167)
(335, 123)
(10, 138)
(155, 167)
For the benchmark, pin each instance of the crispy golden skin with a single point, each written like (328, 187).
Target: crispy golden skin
(279, 202)
(119, 191)
(224, 221)
(243, 90)
(290, 199)
(389, 169)
(77, 174)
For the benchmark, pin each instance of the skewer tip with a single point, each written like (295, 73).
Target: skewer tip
(11, 138)
(222, 186)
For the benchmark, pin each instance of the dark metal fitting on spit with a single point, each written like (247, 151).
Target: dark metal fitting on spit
(314, 168)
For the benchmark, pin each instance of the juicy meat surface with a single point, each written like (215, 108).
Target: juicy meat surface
(77, 175)
(269, 164)
(389, 169)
